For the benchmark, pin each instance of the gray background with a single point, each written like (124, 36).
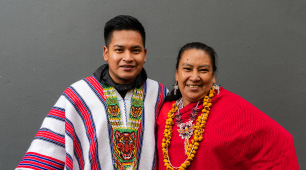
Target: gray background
(45, 45)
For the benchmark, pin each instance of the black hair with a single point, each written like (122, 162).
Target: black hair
(193, 45)
(123, 22)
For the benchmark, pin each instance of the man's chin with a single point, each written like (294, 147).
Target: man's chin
(128, 79)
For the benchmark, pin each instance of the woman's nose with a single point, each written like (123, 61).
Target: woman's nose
(195, 76)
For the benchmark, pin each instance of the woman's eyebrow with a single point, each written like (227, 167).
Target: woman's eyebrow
(204, 65)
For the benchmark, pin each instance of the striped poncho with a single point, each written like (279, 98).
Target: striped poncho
(76, 134)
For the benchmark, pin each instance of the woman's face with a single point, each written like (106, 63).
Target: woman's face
(195, 75)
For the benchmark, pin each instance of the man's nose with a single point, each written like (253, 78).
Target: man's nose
(128, 56)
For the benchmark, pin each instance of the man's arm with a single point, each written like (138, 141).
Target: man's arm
(47, 150)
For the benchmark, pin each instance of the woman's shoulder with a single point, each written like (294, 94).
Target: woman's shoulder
(252, 131)
(167, 106)
(163, 114)
(234, 107)
(228, 99)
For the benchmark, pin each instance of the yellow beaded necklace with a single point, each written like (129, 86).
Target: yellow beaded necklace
(197, 135)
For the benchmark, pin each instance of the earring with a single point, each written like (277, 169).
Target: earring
(175, 88)
(216, 87)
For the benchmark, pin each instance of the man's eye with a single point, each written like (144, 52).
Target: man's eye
(118, 50)
(187, 68)
(136, 51)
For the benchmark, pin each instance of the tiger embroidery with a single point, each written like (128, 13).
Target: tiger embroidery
(124, 145)
(136, 111)
(113, 110)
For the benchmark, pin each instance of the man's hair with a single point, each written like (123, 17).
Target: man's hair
(122, 22)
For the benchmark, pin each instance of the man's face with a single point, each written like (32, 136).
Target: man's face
(125, 55)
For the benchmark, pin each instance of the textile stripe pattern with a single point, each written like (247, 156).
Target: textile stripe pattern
(76, 134)
(34, 160)
(85, 113)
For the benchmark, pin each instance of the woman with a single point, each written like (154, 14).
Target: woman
(202, 126)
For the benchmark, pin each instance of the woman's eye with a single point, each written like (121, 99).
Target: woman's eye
(204, 70)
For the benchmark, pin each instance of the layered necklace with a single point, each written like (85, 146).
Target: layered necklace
(186, 130)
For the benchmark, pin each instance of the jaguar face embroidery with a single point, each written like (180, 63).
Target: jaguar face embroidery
(124, 145)
(113, 110)
(136, 111)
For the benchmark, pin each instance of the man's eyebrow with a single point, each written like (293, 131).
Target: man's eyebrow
(121, 46)
(136, 46)
(117, 45)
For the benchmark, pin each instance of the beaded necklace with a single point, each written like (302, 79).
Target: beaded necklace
(185, 129)
(124, 137)
(197, 135)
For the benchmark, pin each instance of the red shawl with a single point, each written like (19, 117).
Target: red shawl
(237, 136)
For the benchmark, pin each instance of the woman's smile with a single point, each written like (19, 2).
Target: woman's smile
(193, 87)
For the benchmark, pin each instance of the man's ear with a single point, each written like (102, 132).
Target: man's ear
(105, 53)
(145, 57)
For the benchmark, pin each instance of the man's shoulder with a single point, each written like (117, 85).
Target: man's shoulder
(81, 80)
(153, 81)
(85, 82)
(156, 87)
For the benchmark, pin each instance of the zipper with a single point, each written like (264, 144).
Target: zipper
(126, 117)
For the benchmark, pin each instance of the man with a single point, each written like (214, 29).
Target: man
(106, 121)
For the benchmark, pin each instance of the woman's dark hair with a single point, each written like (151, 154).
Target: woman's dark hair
(193, 45)
(123, 22)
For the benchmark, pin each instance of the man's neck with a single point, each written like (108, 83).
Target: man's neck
(103, 76)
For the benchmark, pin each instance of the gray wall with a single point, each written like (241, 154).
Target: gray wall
(45, 45)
